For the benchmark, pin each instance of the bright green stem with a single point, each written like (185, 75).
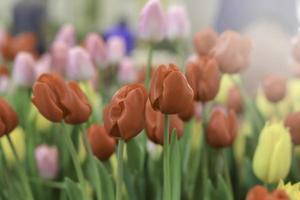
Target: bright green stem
(149, 65)
(20, 171)
(120, 169)
(167, 181)
(72, 151)
(94, 165)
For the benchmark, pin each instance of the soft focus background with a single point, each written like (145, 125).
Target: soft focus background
(270, 23)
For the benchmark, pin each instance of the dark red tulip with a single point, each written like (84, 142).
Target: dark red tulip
(188, 113)
(8, 118)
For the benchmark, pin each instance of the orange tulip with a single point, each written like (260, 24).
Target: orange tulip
(203, 75)
(222, 128)
(274, 87)
(204, 41)
(292, 121)
(103, 146)
(8, 118)
(124, 116)
(155, 125)
(188, 113)
(261, 193)
(169, 90)
(59, 101)
(235, 100)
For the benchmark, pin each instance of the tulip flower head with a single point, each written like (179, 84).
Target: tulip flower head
(292, 121)
(59, 56)
(23, 71)
(103, 145)
(67, 35)
(47, 161)
(116, 49)
(178, 24)
(222, 128)
(293, 190)
(96, 47)
(204, 41)
(274, 87)
(235, 100)
(261, 193)
(8, 118)
(188, 113)
(232, 52)
(127, 72)
(124, 116)
(4, 79)
(43, 65)
(203, 75)
(80, 66)
(169, 90)
(152, 22)
(57, 100)
(272, 158)
(155, 125)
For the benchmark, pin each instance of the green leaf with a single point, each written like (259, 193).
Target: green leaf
(136, 156)
(74, 190)
(106, 182)
(175, 167)
(223, 189)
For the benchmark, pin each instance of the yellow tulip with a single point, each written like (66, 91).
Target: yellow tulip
(293, 190)
(225, 85)
(273, 154)
(18, 139)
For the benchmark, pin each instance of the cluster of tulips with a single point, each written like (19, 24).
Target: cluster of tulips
(185, 131)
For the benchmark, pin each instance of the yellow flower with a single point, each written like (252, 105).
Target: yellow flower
(293, 190)
(18, 139)
(273, 154)
(225, 85)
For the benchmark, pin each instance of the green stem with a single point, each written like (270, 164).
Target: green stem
(226, 171)
(49, 183)
(167, 182)
(94, 165)
(20, 171)
(149, 66)
(120, 169)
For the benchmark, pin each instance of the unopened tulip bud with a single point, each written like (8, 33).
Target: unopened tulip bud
(23, 71)
(59, 56)
(80, 66)
(126, 71)
(204, 41)
(274, 87)
(235, 100)
(152, 22)
(203, 75)
(96, 48)
(66, 34)
(222, 128)
(292, 121)
(8, 118)
(169, 90)
(232, 52)
(103, 145)
(116, 48)
(275, 144)
(178, 24)
(47, 161)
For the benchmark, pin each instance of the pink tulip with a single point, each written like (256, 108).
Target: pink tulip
(47, 161)
(178, 24)
(95, 45)
(80, 66)
(127, 72)
(66, 34)
(116, 48)
(43, 65)
(152, 22)
(4, 83)
(59, 56)
(23, 71)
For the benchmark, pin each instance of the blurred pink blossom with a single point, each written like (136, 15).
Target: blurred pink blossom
(43, 65)
(47, 161)
(116, 49)
(126, 72)
(67, 35)
(96, 47)
(59, 56)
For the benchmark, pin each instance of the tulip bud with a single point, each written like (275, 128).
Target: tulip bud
(116, 48)
(102, 144)
(59, 56)
(58, 101)
(169, 90)
(124, 116)
(155, 125)
(292, 121)
(188, 113)
(222, 128)
(261, 193)
(203, 76)
(275, 144)
(23, 71)
(178, 24)
(47, 161)
(66, 34)
(274, 87)
(235, 100)
(8, 118)
(96, 47)
(43, 65)
(126, 72)
(204, 41)
(152, 22)
(80, 66)
(232, 52)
